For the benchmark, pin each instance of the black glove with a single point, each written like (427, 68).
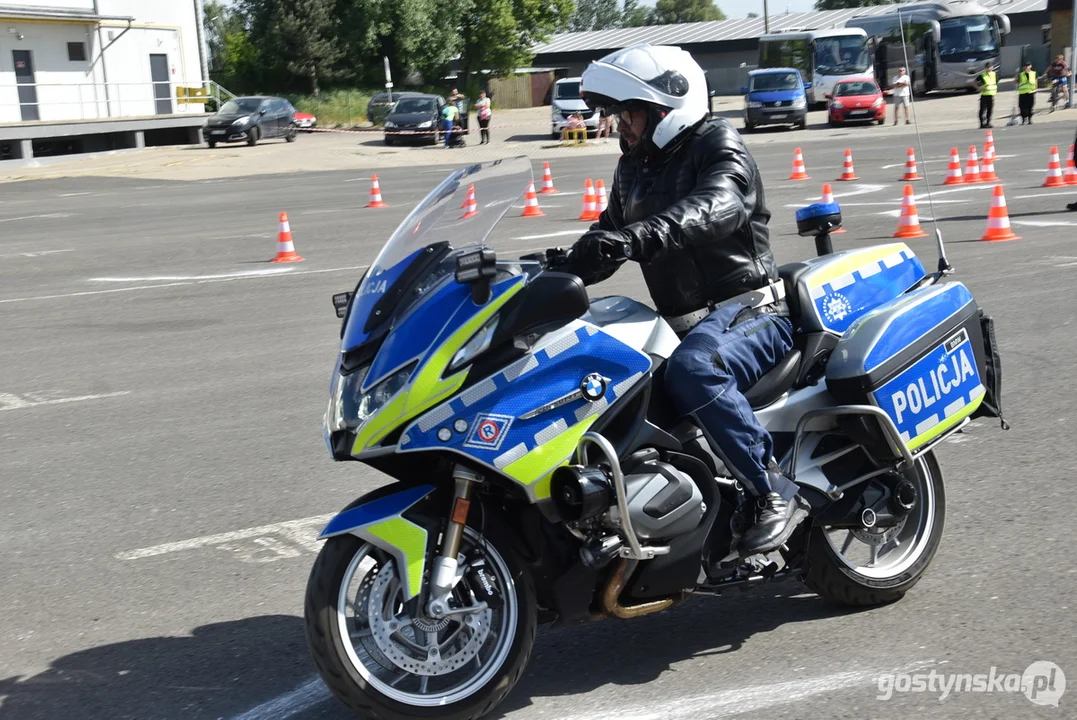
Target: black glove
(599, 248)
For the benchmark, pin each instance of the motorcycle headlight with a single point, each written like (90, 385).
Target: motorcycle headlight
(478, 343)
(878, 103)
(390, 124)
(836, 104)
(374, 399)
(754, 104)
(426, 124)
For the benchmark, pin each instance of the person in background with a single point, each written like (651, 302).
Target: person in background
(902, 89)
(987, 84)
(483, 106)
(1026, 92)
(603, 132)
(1072, 207)
(576, 129)
(1060, 71)
(457, 99)
(449, 113)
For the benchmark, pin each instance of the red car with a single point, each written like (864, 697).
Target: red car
(856, 101)
(305, 121)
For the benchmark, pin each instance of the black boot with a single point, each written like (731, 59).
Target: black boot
(775, 523)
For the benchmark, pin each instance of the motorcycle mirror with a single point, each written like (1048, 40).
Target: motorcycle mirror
(477, 269)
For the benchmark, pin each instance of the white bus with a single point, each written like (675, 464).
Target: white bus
(823, 57)
(947, 43)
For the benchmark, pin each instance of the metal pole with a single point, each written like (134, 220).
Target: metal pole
(203, 49)
(766, 17)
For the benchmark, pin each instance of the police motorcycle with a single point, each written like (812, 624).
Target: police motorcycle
(541, 474)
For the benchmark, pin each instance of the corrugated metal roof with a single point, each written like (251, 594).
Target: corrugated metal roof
(742, 29)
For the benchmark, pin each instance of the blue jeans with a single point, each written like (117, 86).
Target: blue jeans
(729, 351)
(446, 129)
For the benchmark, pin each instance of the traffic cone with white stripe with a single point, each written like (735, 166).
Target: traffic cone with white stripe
(910, 167)
(589, 213)
(998, 219)
(828, 197)
(602, 199)
(285, 247)
(953, 175)
(972, 168)
(909, 220)
(799, 171)
(847, 170)
(375, 194)
(547, 180)
(531, 206)
(1071, 170)
(987, 171)
(989, 145)
(471, 206)
(1054, 171)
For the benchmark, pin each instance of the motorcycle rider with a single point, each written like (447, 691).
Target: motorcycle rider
(687, 204)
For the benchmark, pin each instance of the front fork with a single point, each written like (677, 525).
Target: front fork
(445, 572)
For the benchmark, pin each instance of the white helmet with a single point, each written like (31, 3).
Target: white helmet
(665, 78)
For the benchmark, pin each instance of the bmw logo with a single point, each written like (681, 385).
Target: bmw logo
(593, 387)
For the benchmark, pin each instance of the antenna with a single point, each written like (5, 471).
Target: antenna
(944, 265)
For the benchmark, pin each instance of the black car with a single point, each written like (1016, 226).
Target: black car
(251, 119)
(417, 116)
(380, 105)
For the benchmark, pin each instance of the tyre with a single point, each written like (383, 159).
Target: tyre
(881, 121)
(748, 127)
(802, 124)
(291, 135)
(835, 569)
(555, 135)
(212, 144)
(252, 136)
(376, 658)
(388, 140)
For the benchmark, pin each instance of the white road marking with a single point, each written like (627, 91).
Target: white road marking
(303, 532)
(939, 160)
(963, 188)
(1045, 223)
(10, 401)
(37, 253)
(177, 284)
(73, 194)
(36, 217)
(307, 695)
(173, 278)
(1036, 195)
(561, 233)
(860, 189)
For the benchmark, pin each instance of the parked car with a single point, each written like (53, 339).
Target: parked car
(775, 96)
(380, 105)
(305, 121)
(565, 101)
(856, 101)
(251, 119)
(416, 116)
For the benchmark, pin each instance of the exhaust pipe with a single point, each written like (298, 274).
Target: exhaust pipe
(611, 596)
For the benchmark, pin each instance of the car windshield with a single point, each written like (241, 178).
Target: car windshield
(768, 82)
(841, 55)
(856, 88)
(240, 106)
(567, 91)
(437, 219)
(414, 105)
(968, 38)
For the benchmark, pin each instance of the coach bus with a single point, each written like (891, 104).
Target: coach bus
(823, 57)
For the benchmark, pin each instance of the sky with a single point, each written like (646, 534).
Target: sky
(740, 8)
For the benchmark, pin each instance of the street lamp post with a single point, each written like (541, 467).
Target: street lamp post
(766, 17)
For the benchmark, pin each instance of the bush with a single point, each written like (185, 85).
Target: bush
(335, 108)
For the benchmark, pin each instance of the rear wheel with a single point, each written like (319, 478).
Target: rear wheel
(879, 565)
(290, 137)
(384, 662)
(212, 144)
(252, 136)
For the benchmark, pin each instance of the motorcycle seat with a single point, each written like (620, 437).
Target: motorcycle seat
(775, 382)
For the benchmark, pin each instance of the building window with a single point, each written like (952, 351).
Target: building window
(76, 52)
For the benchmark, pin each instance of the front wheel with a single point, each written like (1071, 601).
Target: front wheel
(252, 136)
(290, 137)
(879, 565)
(385, 662)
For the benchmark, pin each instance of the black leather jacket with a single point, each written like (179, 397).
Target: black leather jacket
(699, 218)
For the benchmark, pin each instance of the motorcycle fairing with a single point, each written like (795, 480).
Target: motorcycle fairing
(529, 449)
(382, 524)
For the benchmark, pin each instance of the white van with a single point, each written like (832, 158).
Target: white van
(566, 101)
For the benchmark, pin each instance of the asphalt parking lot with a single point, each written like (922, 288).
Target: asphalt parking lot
(162, 473)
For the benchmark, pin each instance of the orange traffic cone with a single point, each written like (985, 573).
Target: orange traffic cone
(285, 246)
(531, 206)
(589, 213)
(828, 197)
(547, 180)
(847, 171)
(471, 206)
(910, 167)
(1071, 170)
(375, 194)
(972, 168)
(1054, 171)
(998, 219)
(799, 171)
(909, 221)
(989, 145)
(953, 175)
(987, 171)
(602, 199)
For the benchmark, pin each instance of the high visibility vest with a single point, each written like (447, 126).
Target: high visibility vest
(1026, 82)
(989, 80)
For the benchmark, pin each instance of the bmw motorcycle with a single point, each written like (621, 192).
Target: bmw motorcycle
(541, 474)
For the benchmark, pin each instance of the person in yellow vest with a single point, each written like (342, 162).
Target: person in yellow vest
(1026, 92)
(987, 84)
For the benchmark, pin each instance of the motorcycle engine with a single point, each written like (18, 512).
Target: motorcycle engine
(662, 500)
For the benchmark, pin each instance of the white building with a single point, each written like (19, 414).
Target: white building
(78, 61)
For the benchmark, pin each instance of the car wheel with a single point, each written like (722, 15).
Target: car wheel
(388, 140)
(252, 136)
(290, 137)
(748, 127)
(880, 121)
(802, 124)
(832, 122)
(212, 144)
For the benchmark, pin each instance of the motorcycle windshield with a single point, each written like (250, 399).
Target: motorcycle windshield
(421, 251)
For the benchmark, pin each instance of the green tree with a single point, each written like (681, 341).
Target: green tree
(843, 4)
(233, 60)
(668, 12)
(595, 15)
(636, 15)
(498, 34)
(296, 39)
